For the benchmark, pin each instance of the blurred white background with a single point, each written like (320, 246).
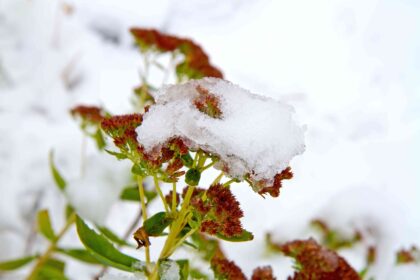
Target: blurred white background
(350, 68)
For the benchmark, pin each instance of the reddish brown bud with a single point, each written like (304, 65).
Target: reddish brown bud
(207, 103)
(274, 189)
(91, 114)
(263, 273)
(225, 269)
(314, 259)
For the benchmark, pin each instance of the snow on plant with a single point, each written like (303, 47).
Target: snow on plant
(177, 133)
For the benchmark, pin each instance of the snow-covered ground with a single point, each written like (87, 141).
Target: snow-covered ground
(349, 68)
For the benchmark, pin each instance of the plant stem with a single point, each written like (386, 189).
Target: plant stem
(144, 214)
(171, 241)
(173, 197)
(218, 178)
(155, 180)
(51, 248)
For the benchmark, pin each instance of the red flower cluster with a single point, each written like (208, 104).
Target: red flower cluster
(220, 211)
(123, 130)
(411, 255)
(225, 269)
(274, 189)
(196, 63)
(90, 114)
(263, 273)
(207, 103)
(317, 262)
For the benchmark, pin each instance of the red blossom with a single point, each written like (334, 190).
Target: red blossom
(263, 273)
(274, 189)
(221, 212)
(207, 103)
(225, 269)
(411, 255)
(91, 114)
(195, 57)
(316, 261)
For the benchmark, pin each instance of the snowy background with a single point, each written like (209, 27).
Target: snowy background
(350, 68)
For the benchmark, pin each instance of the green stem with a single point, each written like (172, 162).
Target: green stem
(176, 228)
(218, 178)
(44, 258)
(208, 166)
(173, 197)
(162, 197)
(229, 182)
(144, 214)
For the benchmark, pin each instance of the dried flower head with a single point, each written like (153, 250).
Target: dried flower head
(313, 260)
(89, 114)
(411, 255)
(262, 187)
(225, 269)
(263, 273)
(207, 103)
(220, 211)
(196, 63)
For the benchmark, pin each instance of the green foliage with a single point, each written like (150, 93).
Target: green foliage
(58, 179)
(82, 255)
(187, 160)
(244, 236)
(44, 225)
(16, 263)
(112, 236)
(131, 193)
(139, 169)
(192, 177)
(52, 269)
(103, 250)
(155, 225)
(118, 155)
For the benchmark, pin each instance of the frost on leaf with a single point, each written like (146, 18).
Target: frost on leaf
(254, 137)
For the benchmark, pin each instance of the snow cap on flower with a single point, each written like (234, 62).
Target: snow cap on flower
(254, 137)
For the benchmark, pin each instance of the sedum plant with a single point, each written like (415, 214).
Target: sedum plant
(178, 134)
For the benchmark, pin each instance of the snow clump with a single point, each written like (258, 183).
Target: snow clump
(251, 134)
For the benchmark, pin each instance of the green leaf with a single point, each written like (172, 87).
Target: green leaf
(139, 170)
(44, 225)
(16, 263)
(192, 177)
(53, 269)
(155, 225)
(187, 160)
(68, 211)
(197, 274)
(131, 193)
(79, 254)
(99, 139)
(58, 179)
(168, 267)
(113, 237)
(244, 236)
(103, 250)
(116, 154)
(184, 269)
